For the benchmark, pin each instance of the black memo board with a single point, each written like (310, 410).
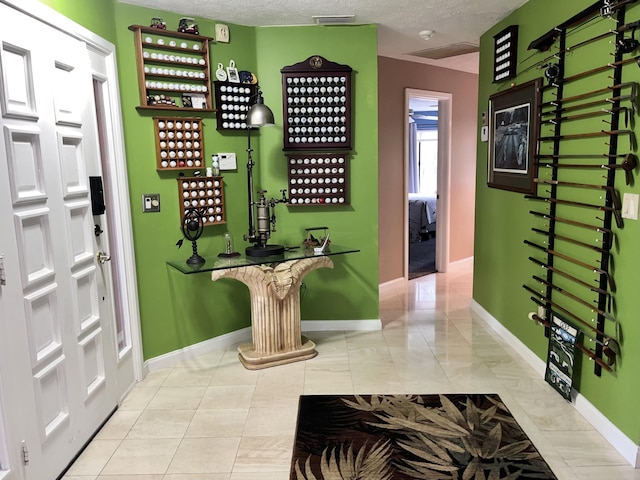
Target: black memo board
(316, 104)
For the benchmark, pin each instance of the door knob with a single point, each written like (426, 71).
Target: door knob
(103, 257)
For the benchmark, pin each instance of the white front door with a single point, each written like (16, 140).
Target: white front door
(57, 345)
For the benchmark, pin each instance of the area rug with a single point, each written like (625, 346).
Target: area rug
(439, 437)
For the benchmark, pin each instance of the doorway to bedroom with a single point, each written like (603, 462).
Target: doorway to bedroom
(426, 152)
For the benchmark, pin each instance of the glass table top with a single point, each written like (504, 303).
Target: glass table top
(221, 263)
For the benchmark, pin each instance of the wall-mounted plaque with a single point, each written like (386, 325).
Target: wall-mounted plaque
(505, 54)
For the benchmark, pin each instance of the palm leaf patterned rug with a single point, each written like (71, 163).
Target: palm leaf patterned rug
(439, 437)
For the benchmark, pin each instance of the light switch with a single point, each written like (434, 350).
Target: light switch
(150, 202)
(484, 134)
(630, 206)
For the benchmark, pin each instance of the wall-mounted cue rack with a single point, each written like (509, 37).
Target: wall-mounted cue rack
(574, 233)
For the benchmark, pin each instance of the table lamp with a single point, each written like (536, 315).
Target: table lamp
(259, 115)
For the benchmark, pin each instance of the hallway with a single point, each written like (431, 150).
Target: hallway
(210, 419)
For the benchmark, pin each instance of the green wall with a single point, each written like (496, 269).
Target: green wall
(95, 15)
(179, 310)
(503, 221)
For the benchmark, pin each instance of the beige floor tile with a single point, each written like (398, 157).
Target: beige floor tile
(264, 454)
(218, 423)
(196, 476)
(161, 424)
(138, 398)
(79, 477)
(189, 377)
(94, 458)
(271, 422)
(177, 398)
(131, 477)
(155, 378)
(233, 373)
(205, 455)
(142, 457)
(579, 449)
(263, 476)
(225, 397)
(119, 425)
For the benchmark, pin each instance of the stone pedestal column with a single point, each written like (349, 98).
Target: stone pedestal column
(275, 311)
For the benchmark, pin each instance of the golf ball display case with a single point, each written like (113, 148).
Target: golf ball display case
(206, 194)
(317, 179)
(233, 101)
(317, 105)
(173, 69)
(179, 143)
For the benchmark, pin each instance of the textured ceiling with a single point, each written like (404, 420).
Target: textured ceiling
(399, 21)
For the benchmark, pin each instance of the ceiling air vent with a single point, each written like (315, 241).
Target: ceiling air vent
(446, 51)
(333, 19)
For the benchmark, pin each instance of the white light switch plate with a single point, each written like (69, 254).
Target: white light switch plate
(484, 134)
(227, 161)
(630, 206)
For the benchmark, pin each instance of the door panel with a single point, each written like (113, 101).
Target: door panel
(18, 96)
(58, 350)
(25, 174)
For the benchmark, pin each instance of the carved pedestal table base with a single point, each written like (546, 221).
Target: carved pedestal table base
(275, 311)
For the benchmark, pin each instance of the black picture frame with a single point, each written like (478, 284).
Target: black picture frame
(514, 128)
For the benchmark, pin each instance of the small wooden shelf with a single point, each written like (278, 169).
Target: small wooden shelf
(205, 194)
(179, 143)
(175, 73)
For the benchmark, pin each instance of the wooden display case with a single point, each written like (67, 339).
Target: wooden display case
(179, 143)
(173, 70)
(233, 101)
(317, 179)
(204, 193)
(316, 97)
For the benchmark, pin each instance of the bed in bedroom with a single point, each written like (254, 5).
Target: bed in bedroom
(422, 216)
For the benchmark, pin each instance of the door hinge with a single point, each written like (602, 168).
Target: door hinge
(25, 453)
(3, 277)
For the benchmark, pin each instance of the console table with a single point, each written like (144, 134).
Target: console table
(274, 287)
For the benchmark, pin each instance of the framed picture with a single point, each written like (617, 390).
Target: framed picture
(513, 138)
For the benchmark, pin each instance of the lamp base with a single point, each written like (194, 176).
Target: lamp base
(266, 251)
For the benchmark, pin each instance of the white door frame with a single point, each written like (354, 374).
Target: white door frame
(444, 176)
(122, 248)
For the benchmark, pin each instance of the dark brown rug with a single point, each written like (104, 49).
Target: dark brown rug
(439, 437)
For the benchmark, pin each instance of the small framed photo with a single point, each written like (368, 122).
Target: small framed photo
(187, 102)
(232, 75)
(198, 100)
(513, 138)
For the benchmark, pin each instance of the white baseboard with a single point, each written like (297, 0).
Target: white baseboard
(223, 341)
(398, 282)
(340, 325)
(623, 444)
(239, 336)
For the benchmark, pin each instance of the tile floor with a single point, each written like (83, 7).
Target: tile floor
(210, 419)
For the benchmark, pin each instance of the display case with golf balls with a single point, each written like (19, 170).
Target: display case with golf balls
(317, 179)
(233, 101)
(173, 69)
(317, 105)
(205, 194)
(179, 143)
